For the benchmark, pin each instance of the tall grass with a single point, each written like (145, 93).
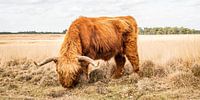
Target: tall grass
(34, 47)
(164, 48)
(157, 48)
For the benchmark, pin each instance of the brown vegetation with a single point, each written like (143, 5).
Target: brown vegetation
(169, 70)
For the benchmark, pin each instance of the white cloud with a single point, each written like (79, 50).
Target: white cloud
(56, 15)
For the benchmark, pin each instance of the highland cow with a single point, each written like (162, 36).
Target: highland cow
(89, 39)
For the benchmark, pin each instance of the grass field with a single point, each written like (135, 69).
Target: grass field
(169, 69)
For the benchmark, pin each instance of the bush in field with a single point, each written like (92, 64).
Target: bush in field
(147, 69)
(196, 69)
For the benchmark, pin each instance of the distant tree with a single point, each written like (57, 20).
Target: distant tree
(64, 31)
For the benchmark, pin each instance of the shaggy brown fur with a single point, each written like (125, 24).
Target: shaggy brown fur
(97, 38)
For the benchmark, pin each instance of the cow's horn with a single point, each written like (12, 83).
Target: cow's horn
(55, 59)
(88, 59)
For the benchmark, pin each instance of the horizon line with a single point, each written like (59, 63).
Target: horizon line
(67, 29)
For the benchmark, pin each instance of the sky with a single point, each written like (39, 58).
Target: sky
(57, 15)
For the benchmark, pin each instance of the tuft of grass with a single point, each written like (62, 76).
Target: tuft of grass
(147, 69)
(196, 69)
(153, 97)
(183, 79)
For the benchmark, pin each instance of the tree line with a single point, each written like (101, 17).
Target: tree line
(167, 30)
(142, 31)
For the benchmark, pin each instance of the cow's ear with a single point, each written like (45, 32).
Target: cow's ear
(122, 26)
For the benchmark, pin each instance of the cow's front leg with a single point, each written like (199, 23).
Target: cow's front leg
(84, 73)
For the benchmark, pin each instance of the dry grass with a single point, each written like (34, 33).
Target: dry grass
(164, 48)
(34, 46)
(169, 69)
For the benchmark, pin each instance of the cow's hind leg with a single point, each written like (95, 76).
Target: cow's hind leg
(132, 52)
(120, 62)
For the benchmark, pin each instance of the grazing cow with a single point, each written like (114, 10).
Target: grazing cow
(89, 39)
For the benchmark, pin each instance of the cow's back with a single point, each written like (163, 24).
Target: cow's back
(101, 37)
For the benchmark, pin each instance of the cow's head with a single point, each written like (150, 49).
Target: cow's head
(69, 74)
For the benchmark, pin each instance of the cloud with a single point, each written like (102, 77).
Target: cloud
(56, 15)
(26, 2)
